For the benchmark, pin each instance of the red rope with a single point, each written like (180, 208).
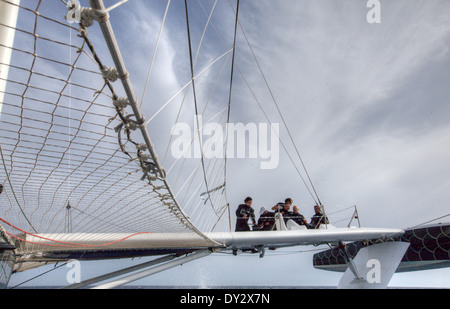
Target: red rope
(63, 244)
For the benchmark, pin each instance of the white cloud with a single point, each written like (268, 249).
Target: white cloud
(338, 80)
(345, 88)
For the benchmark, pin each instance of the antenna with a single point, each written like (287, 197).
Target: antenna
(68, 220)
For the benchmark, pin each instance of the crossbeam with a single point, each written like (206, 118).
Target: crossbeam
(119, 272)
(154, 270)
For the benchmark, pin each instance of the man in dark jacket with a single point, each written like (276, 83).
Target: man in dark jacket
(266, 220)
(318, 218)
(297, 217)
(243, 214)
(286, 212)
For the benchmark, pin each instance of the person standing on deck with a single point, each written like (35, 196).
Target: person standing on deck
(244, 213)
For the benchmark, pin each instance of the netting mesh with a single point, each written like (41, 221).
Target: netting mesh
(427, 244)
(72, 157)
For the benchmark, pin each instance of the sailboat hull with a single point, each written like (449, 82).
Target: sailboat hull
(58, 247)
(429, 249)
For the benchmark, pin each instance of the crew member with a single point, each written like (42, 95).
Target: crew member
(266, 220)
(297, 217)
(286, 212)
(244, 213)
(318, 218)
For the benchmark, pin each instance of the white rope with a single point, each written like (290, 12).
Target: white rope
(58, 154)
(185, 86)
(112, 7)
(194, 136)
(154, 54)
(282, 117)
(204, 32)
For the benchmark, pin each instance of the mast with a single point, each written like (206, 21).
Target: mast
(8, 17)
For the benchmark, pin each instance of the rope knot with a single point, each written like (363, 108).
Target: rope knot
(121, 102)
(110, 74)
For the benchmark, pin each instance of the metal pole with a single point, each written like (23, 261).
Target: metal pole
(357, 216)
(108, 33)
(153, 270)
(229, 217)
(8, 17)
(119, 272)
(349, 261)
(324, 215)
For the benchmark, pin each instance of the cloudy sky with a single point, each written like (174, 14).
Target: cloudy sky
(367, 105)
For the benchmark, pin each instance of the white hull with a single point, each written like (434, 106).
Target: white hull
(233, 240)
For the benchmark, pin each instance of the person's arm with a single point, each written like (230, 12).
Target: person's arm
(261, 221)
(303, 219)
(252, 216)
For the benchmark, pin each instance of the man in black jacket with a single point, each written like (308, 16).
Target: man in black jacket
(318, 218)
(297, 217)
(243, 214)
(266, 220)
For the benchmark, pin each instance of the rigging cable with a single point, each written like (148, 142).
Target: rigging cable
(231, 87)
(422, 224)
(260, 106)
(280, 113)
(62, 243)
(40, 275)
(195, 100)
(12, 190)
(229, 110)
(154, 53)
